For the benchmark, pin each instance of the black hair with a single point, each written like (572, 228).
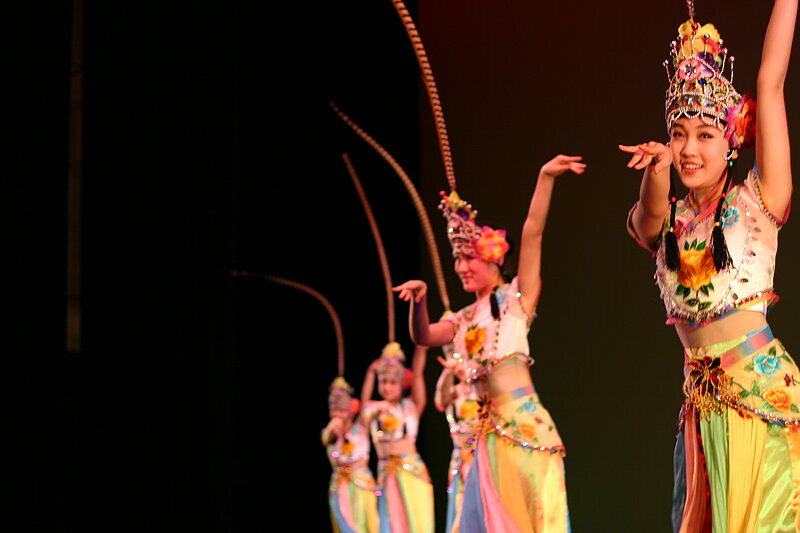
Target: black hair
(719, 249)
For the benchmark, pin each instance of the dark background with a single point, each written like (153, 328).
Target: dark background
(197, 399)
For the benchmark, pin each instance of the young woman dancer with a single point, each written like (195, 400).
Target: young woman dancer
(351, 496)
(455, 398)
(406, 501)
(737, 456)
(516, 481)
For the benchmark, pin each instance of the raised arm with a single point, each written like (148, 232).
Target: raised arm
(772, 131)
(650, 211)
(530, 254)
(418, 392)
(422, 331)
(369, 383)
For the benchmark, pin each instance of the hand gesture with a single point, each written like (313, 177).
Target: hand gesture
(336, 426)
(562, 163)
(449, 364)
(651, 153)
(411, 289)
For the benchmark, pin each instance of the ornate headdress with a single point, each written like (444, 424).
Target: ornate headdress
(466, 236)
(341, 397)
(699, 89)
(392, 362)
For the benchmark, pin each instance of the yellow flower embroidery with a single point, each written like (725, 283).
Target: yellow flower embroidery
(348, 448)
(697, 268)
(474, 340)
(528, 431)
(389, 423)
(468, 410)
(780, 398)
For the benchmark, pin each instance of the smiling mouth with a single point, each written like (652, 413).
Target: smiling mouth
(689, 167)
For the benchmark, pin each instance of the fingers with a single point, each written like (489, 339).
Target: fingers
(442, 361)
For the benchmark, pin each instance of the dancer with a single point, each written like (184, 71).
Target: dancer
(352, 498)
(460, 404)
(516, 482)
(455, 399)
(737, 456)
(406, 502)
(351, 493)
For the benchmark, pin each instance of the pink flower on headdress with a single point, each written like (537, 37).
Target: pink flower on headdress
(742, 122)
(692, 68)
(491, 246)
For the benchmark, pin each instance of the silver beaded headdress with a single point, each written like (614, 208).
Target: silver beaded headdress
(698, 87)
(392, 362)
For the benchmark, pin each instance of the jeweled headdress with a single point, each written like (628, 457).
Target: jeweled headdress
(466, 236)
(699, 89)
(341, 397)
(392, 362)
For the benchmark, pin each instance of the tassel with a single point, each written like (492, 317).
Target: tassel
(671, 254)
(493, 303)
(719, 249)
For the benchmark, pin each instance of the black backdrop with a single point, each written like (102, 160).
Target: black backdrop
(197, 399)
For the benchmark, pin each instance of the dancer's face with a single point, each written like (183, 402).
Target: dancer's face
(697, 153)
(390, 388)
(476, 275)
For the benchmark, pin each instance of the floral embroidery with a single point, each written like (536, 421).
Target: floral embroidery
(348, 448)
(766, 365)
(500, 295)
(769, 364)
(695, 273)
(474, 339)
(468, 410)
(529, 407)
(729, 217)
(780, 398)
(527, 431)
(389, 422)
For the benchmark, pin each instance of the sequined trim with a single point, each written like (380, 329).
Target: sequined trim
(761, 204)
(409, 463)
(702, 317)
(361, 477)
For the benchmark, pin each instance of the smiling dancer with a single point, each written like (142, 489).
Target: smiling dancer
(737, 457)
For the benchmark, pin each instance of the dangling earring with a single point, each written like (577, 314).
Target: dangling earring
(729, 154)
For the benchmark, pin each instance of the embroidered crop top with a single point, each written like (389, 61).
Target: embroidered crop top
(697, 293)
(352, 447)
(481, 340)
(399, 421)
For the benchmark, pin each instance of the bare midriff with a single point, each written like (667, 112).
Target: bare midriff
(509, 375)
(730, 327)
(396, 448)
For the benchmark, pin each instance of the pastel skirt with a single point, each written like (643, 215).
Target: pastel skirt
(405, 502)
(516, 481)
(737, 455)
(353, 502)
